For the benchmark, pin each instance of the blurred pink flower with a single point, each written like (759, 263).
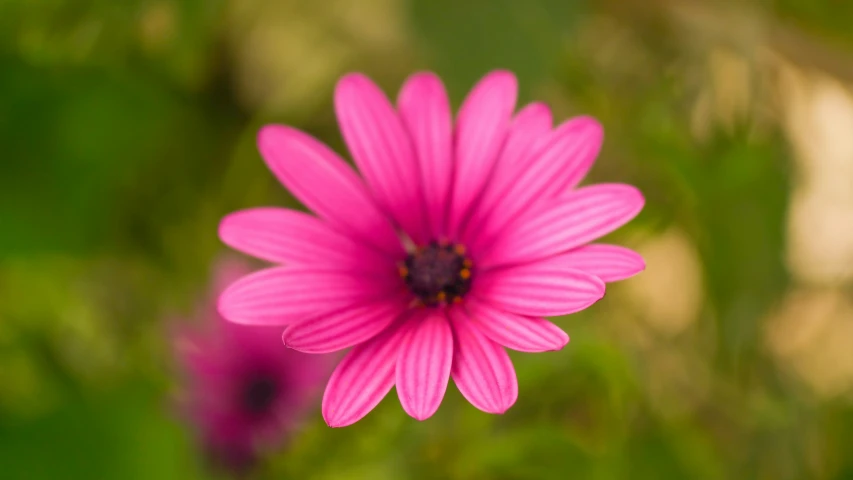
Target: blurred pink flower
(452, 244)
(245, 391)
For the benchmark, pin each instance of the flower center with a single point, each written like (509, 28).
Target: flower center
(438, 273)
(259, 393)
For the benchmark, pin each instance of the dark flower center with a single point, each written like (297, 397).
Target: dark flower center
(438, 273)
(259, 393)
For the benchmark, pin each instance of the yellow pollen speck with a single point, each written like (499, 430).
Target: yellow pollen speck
(404, 272)
(467, 263)
(457, 300)
(441, 296)
(465, 274)
(459, 249)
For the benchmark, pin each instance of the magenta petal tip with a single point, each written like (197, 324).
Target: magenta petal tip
(504, 76)
(352, 84)
(270, 133)
(632, 194)
(536, 109)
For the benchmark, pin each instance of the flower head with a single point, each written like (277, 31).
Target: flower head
(453, 243)
(245, 390)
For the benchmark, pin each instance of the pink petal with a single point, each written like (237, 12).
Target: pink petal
(481, 369)
(554, 227)
(529, 128)
(343, 329)
(283, 295)
(518, 332)
(425, 111)
(382, 149)
(480, 132)
(327, 185)
(363, 378)
(574, 146)
(538, 289)
(559, 165)
(423, 368)
(610, 263)
(287, 236)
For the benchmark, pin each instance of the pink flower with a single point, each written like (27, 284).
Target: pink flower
(245, 390)
(452, 244)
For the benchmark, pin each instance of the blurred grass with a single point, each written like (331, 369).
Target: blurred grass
(127, 135)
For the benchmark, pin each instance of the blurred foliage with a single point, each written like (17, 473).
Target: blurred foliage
(125, 140)
(462, 40)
